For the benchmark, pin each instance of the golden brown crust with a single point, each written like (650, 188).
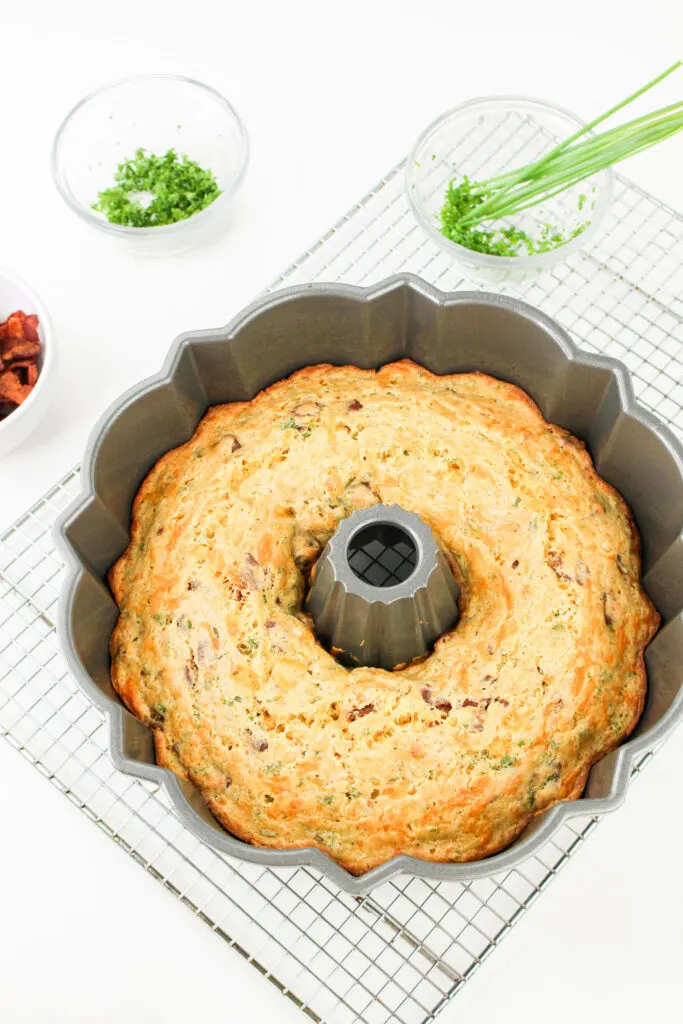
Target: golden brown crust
(543, 675)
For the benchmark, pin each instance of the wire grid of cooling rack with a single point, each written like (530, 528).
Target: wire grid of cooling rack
(401, 953)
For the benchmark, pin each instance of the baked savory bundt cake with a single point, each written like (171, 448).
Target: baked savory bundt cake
(447, 759)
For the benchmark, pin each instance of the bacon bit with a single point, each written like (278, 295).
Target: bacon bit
(355, 405)
(440, 703)
(488, 678)
(11, 388)
(20, 326)
(235, 443)
(228, 782)
(556, 563)
(477, 725)
(191, 584)
(467, 703)
(360, 712)
(485, 703)
(515, 564)
(609, 608)
(259, 743)
(250, 558)
(19, 351)
(501, 700)
(271, 623)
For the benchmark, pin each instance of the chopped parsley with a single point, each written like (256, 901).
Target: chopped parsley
(152, 190)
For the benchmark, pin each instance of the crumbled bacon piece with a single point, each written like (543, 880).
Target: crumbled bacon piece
(11, 388)
(359, 712)
(19, 351)
(440, 703)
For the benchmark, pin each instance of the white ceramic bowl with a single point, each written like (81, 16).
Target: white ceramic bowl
(15, 294)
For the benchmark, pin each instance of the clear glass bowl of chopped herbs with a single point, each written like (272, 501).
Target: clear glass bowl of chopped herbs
(456, 161)
(153, 160)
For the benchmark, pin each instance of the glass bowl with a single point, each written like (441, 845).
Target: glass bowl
(490, 136)
(156, 113)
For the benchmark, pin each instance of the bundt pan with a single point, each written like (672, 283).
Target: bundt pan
(403, 316)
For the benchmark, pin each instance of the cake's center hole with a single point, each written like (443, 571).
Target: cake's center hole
(382, 554)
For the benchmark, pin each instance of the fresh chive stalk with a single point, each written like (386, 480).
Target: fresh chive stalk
(576, 159)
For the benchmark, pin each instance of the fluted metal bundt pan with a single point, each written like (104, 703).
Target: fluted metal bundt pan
(587, 394)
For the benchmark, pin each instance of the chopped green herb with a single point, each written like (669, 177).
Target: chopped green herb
(151, 190)
(471, 209)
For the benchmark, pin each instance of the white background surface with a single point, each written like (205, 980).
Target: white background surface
(333, 96)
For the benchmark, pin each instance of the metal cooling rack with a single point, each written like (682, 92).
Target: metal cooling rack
(403, 952)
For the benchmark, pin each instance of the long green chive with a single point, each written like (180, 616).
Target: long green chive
(468, 204)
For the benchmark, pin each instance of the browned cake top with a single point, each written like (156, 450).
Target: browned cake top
(446, 759)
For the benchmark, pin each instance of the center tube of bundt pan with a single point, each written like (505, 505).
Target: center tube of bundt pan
(383, 591)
